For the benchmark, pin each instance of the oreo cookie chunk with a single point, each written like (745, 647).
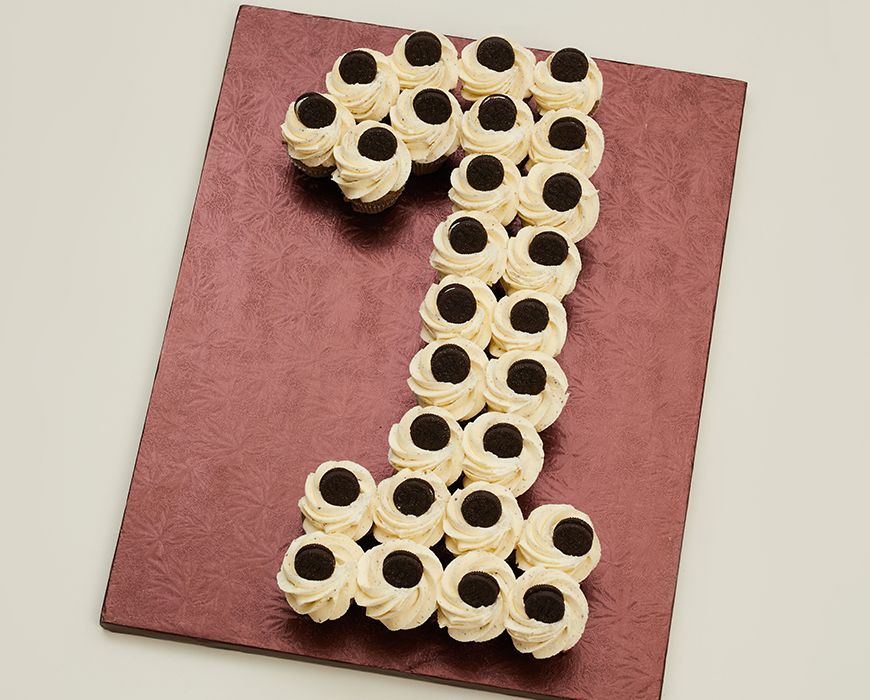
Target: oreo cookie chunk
(430, 432)
(497, 113)
(504, 440)
(413, 497)
(358, 67)
(314, 110)
(377, 143)
(481, 508)
(548, 248)
(467, 235)
(314, 562)
(402, 569)
(456, 303)
(573, 536)
(562, 192)
(527, 376)
(496, 53)
(567, 134)
(485, 173)
(339, 486)
(423, 49)
(544, 603)
(529, 316)
(478, 589)
(569, 65)
(432, 106)
(450, 364)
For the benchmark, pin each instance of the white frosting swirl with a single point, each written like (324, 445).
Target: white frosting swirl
(476, 329)
(426, 142)
(554, 94)
(479, 81)
(487, 264)
(506, 338)
(521, 272)
(502, 202)
(398, 608)
(462, 400)
(392, 524)
(313, 147)
(330, 598)
(545, 639)
(514, 473)
(366, 179)
(445, 463)
(577, 222)
(512, 144)
(366, 100)
(464, 622)
(536, 548)
(499, 539)
(585, 159)
(443, 74)
(542, 409)
(353, 520)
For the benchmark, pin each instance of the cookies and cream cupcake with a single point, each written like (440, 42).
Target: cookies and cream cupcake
(458, 307)
(496, 65)
(502, 448)
(527, 383)
(338, 499)
(498, 124)
(528, 320)
(558, 536)
(450, 374)
(425, 59)
(547, 613)
(482, 517)
(567, 136)
(427, 120)
(372, 165)
(410, 506)
(318, 575)
(487, 183)
(313, 125)
(364, 81)
(427, 440)
(555, 194)
(470, 244)
(397, 584)
(473, 597)
(567, 78)
(543, 259)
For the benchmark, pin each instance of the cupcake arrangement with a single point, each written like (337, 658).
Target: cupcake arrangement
(444, 536)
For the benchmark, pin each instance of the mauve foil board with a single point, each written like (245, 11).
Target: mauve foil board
(288, 342)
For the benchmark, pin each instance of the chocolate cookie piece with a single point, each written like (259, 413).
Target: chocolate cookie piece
(567, 134)
(478, 589)
(496, 53)
(456, 303)
(529, 316)
(562, 192)
(573, 536)
(503, 440)
(544, 603)
(548, 248)
(314, 110)
(432, 106)
(485, 173)
(481, 509)
(467, 235)
(527, 377)
(339, 486)
(358, 67)
(423, 49)
(414, 497)
(430, 432)
(377, 143)
(314, 562)
(402, 569)
(497, 113)
(569, 65)
(450, 363)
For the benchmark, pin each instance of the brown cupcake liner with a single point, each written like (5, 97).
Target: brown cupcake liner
(313, 170)
(378, 205)
(594, 108)
(426, 168)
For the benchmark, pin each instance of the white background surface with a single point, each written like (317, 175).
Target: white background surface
(106, 109)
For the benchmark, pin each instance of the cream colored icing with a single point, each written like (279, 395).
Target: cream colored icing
(445, 463)
(444, 74)
(366, 100)
(553, 94)
(521, 272)
(502, 202)
(462, 400)
(536, 548)
(506, 338)
(353, 520)
(314, 146)
(392, 524)
(513, 144)
(366, 179)
(500, 539)
(542, 409)
(476, 329)
(585, 159)
(487, 264)
(426, 142)
(577, 222)
(479, 81)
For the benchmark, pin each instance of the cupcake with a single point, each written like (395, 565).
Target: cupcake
(498, 124)
(425, 59)
(338, 500)
(470, 244)
(312, 127)
(542, 259)
(427, 120)
(473, 597)
(502, 448)
(450, 374)
(558, 536)
(371, 166)
(527, 383)
(547, 613)
(458, 307)
(410, 506)
(364, 81)
(482, 518)
(318, 575)
(427, 440)
(486, 183)
(496, 65)
(567, 78)
(554, 194)
(567, 136)
(397, 584)
(528, 320)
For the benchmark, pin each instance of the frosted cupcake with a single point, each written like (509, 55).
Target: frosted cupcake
(318, 575)
(338, 500)
(498, 124)
(313, 125)
(554, 194)
(372, 166)
(473, 597)
(502, 448)
(425, 59)
(558, 536)
(541, 259)
(483, 518)
(427, 440)
(567, 136)
(410, 506)
(528, 320)
(496, 65)
(397, 584)
(486, 183)
(547, 613)
(364, 81)
(450, 374)
(567, 78)
(527, 383)
(427, 120)
(458, 307)
(470, 244)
